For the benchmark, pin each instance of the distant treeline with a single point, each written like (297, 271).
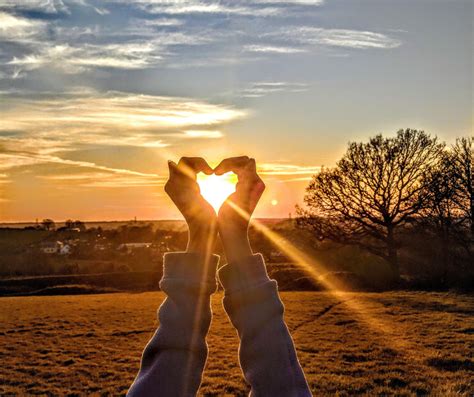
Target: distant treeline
(393, 212)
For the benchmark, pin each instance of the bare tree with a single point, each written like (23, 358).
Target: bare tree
(48, 224)
(77, 224)
(374, 189)
(447, 213)
(440, 215)
(461, 158)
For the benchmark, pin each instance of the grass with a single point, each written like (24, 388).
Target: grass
(418, 344)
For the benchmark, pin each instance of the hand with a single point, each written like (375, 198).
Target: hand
(234, 215)
(198, 213)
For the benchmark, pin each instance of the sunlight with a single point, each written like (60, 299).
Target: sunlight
(317, 270)
(215, 189)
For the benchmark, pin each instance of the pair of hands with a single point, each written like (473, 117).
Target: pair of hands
(233, 218)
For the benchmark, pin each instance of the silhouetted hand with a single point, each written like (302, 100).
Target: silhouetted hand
(234, 215)
(198, 213)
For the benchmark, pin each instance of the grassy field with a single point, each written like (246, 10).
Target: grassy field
(397, 343)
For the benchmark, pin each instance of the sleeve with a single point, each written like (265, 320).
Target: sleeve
(173, 360)
(267, 353)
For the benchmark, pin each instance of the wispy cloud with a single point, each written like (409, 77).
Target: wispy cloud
(4, 179)
(208, 134)
(49, 7)
(17, 28)
(92, 111)
(346, 38)
(45, 6)
(159, 34)
(39, 130)
(273, 49)
(76, 59)
(100, 179)
(305, 2)
(260, 89)
(282, 169)
(183, 7)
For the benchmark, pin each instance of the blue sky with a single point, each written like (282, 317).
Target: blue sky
(96, 96)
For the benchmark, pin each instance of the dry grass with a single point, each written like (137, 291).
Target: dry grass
(418, 343)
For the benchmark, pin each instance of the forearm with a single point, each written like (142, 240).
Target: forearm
(267, 353)
(173, 361)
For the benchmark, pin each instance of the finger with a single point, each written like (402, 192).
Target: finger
(172, 167)
(251, 166)
(234, 164)
(192, 165)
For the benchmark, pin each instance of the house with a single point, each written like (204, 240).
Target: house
(65, 249)
(101, 247)
(51, 247)
(129, 247)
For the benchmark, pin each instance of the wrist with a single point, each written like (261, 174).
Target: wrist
(236, 246)
(202, 239)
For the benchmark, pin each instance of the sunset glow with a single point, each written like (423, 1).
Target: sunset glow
(215, 189)
(96, 97)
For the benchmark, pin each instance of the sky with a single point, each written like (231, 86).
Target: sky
(96, 96)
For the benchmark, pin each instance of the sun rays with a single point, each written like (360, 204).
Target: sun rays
(316, 270)
(215, 189)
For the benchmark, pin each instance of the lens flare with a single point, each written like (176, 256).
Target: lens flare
(215, 189)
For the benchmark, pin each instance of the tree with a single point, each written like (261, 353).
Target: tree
(77, 224)
(48, 224)
(376, 188)
(461, 158)
(440, 215)
(448, 211)
(80, 225)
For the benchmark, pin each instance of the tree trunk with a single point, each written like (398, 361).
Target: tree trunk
(472, 216)
(393, 254)
(445, 257)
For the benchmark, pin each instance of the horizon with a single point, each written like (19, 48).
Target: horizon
(97, 96)
(177, 219)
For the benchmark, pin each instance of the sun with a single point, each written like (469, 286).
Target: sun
(215, 189)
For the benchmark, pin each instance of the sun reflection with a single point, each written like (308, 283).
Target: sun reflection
(215, 189)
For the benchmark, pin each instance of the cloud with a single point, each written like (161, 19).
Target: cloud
(160, 33)
(75, 59)
(209, 134)
(110, 112)
(48, 7)
(305, 2)
(273, 49)
(280, 169)
(140, 44)
(186, 7)
(260, 89)
(45, 6)
(100, 179)
(39, 129)
(4, 179)
(160, 22)
(80, 173)
(346, 38)
(17, 28)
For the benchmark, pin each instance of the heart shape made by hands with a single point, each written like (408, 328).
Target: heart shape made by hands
(216, 188)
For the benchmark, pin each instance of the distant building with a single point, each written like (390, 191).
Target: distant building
(65, 249)
(51, 247)
(129, 247)
(101, 247)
